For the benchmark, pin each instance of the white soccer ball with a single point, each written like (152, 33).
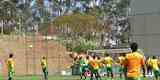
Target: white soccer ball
(30, 46)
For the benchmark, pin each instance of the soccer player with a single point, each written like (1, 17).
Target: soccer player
(44, 67)
(108, 62)
(100, 64)
(121, 59)
(83, 62)
(11, 65)
(86, 71)
(149, 65)
(154, 63)
(93, 65)
(134, 62)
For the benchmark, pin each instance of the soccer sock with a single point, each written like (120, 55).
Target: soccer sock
(9, 78)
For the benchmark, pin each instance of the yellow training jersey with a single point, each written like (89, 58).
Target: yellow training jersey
(154, 63)
(44, 63)
(108, 61)
(94, 64)
(10, 64)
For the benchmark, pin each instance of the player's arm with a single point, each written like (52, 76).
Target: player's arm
(14, 66)
(9, 64)
(117, 61)
(158, 63)
(103, 61)
(143, 66)
(42, 63)
(125, 62)
(112, 60)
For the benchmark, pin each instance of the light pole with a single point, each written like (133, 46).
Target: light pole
(1, 8)
(2, 27)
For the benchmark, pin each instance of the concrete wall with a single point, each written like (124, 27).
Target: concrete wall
(145, 25)
(145, 6)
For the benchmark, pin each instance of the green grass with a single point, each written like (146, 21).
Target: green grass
(40, 78)
(58, 78)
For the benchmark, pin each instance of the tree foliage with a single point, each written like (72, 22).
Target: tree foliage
(81, 45)
(79, 22)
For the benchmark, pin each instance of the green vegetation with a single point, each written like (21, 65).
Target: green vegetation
(77, 31)
(81, 45)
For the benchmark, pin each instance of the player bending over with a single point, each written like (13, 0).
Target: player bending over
(44, 67)
(10, 65)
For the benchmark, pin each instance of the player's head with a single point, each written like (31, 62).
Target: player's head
(43, 57)
(123, 54)
(106, 55)
(154, 57)
(98, 57)
(94, 56)
(80, 57)
(87, 57)
(134, 47)
(11, 55)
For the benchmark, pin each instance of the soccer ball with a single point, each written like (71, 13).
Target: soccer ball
(30, 46)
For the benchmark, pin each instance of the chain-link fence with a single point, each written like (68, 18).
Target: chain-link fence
(28, 52)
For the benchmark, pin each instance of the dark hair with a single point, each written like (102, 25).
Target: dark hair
(154, 57)
(10, 55)
(122, 54)
(134, 47)
(98, 57)
(44, 57)
(106, 55)
(94, 56)
(87, 57)
(80, 57)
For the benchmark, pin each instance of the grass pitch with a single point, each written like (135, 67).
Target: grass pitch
(59, 78)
